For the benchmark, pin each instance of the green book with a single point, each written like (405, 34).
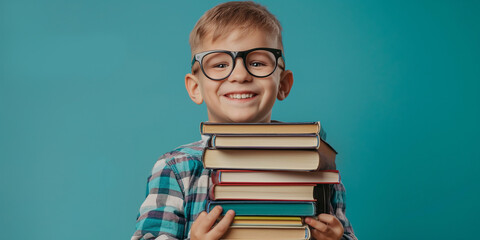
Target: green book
(266, 208)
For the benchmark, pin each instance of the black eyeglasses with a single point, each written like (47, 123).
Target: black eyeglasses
(219, 64)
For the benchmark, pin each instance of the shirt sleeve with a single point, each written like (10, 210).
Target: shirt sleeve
(339, 207)
(161, 215)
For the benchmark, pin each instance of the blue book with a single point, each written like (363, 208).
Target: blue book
(266, 208)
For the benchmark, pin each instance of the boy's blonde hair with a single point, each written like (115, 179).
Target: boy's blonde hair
(227, 17)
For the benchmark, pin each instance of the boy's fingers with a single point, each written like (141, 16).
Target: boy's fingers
(320, 226)
(328, 219)
(199, 218)
(209, 219)
(214, 214)
(334, 225)
(222, 226)
(197, 231)
(317, 235)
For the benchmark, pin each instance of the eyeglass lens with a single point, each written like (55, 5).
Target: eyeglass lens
(218, 65)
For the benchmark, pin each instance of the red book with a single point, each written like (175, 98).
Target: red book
(271, 192)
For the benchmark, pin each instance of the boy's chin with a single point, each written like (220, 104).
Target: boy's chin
(243, 118)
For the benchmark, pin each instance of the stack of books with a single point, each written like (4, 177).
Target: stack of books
(271, 174)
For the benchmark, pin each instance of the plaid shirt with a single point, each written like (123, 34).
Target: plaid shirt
(177, 193)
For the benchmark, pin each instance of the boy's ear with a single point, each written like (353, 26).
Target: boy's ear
(193, 88)
(286, 82)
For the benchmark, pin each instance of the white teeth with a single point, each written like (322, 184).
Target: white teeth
(240, 96)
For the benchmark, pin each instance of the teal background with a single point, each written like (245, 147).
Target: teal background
(91, 94)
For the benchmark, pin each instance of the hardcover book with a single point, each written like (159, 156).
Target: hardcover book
(279, 177)
(273, 233)
(277, 192)
(266, 208)
(268, 159)
(321, 193)
(260, 128)
(273, 141)
(267, 221)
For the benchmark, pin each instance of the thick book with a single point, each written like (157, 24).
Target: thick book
(260, 128)
(266, 208)
(276, 192)
(262, 232)
(280, 177)
(269, 159)
(272, 141)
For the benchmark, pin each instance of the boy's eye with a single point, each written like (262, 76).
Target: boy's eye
(220, 65)
(257, 64)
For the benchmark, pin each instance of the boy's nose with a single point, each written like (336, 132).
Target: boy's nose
(240, 73)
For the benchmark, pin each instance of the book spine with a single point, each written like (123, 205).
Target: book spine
(327, 159)
(201, 128)
(203, 156)
(320, 165)
(216, 176)
(213, 140)
(211, 192)
(307, 232)
(208, 207)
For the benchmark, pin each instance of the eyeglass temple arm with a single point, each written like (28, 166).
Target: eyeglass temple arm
(284, 63)
(193, 61)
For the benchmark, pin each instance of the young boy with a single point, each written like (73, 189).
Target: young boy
(238, 71)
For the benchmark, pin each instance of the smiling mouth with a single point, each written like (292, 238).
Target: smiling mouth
(241, 95)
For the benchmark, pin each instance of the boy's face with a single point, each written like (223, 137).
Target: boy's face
(241, 97)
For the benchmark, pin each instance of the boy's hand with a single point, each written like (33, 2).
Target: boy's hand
(202, 226)
(327, 227)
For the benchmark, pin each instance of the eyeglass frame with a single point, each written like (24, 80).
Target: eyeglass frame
(198, 57)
